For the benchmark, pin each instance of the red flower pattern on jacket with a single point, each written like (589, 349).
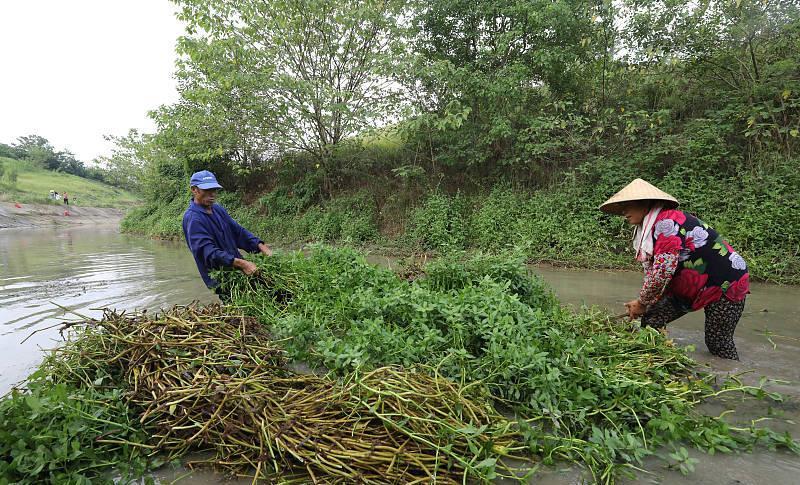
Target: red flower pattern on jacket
(687, 283)
(707, 295)
(670, 245)
(738, 289)
(686, 264)
(675, 215)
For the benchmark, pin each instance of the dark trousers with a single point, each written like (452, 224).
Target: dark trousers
(722, 316)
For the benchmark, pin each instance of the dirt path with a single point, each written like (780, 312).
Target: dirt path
(41, 215)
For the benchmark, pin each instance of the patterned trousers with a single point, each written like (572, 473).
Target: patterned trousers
(722, 316)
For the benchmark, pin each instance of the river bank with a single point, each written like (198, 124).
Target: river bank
(561, 226)
(44, 215)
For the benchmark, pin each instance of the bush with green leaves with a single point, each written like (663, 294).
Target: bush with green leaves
(10, 176)
(440, 222)
(56, 430)
(495, 222)
(349, 219)
(161, 220)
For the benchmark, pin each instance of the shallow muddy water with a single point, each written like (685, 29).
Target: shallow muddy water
(775, 309)
(83, 268)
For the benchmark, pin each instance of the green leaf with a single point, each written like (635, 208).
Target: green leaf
(34, 403)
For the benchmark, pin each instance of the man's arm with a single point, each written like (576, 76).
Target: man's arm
(245, 266)
(201, 243)
(264, 249)
(244, 238)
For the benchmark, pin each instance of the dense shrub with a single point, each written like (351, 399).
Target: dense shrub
(440, 222)
(161, 220)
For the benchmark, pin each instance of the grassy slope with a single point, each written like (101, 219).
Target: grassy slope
(410, 211)
(34, 184)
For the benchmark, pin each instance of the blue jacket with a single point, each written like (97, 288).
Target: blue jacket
(215, 239)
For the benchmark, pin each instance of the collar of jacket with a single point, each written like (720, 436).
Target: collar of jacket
(199, 208)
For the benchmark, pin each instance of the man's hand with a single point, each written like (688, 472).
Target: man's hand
(264, 249)
(245, 266)
(635, 309)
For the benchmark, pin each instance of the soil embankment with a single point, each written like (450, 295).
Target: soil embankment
(42, 215)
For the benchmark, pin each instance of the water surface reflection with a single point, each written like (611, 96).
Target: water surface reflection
(82, 269)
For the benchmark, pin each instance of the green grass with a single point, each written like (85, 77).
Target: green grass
(34, 184)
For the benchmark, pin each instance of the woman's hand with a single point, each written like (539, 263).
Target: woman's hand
(635, 309)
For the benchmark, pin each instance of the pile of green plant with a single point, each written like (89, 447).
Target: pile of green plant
(131, 390)
(587, 389)
(60, 434)
(70, 424)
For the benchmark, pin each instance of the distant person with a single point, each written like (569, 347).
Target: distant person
(52, 195)
(212, 235)
(66, 198)
(58, 196)
(687, 265)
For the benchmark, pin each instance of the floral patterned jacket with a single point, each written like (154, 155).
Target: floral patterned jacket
(693, 263)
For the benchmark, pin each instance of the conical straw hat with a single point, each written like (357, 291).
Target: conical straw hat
(637, 190)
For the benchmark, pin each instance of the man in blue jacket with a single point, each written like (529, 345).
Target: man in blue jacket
(213, 236)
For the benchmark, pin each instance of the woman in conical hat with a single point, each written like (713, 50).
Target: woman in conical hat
(687, 266)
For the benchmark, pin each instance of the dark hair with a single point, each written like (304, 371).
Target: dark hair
(637, 203)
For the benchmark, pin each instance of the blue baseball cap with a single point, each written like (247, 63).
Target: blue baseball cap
(204, 180)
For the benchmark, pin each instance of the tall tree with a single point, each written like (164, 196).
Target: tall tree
(740, 57)
(39, 151)
(278, 76)
(125, 167)
(485, 67)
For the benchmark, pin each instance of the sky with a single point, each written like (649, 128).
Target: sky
(73, 71)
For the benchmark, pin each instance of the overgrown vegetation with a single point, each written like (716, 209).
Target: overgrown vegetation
(586, 389)
(502, 134)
